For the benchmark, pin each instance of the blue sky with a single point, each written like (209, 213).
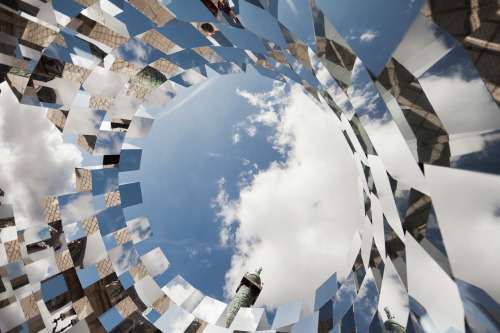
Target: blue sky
(384, 23)
(210, 141)
(191, 146)
(185, 154)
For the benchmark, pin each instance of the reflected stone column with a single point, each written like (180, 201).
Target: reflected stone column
(246, 295)
(391, 325)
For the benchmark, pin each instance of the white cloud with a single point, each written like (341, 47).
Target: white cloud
(249, 319)
(366, 302)
(36, 234)
(123, 257)
(155, 261)
(79, 207)
(368, 36)
(245, 178)
(147, 290)
(178, 289)
(209, 309)
(35, 160)
(362, 97)
(104, 82)
(214, 155)
(41, 269)
(192, 252)
(140, 126)
(394, 152)
(191, 77)
(161, 96)
(83, 120)
(226, 211)
(175, 320)
(393, 294)
(236, 138)
(422, 46)
(471, 144)
(109, 142)
(139, 53)
(300, 213)
(266, 102)
(460, 197)
(139, 229)
(124, 107)
(12, 315)
(426, 280)
(251, 130)
(95, 250)
(221, 181)
(71, 230)
(462, 102)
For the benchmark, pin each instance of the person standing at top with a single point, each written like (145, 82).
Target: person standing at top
(221, 5)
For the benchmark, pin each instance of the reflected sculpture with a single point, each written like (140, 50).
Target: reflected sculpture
(391, 324)
(425, 155)
(246, 294)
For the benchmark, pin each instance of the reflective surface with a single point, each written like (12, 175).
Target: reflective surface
(418, 107)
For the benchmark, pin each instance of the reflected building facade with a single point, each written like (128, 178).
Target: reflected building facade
(475, 25)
